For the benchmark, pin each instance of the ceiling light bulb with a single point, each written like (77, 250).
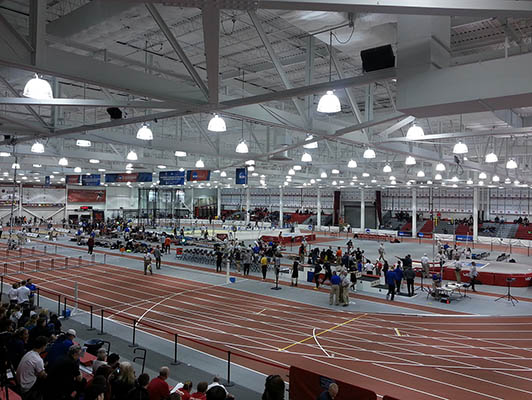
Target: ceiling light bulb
(179, 153)
(495, 178)
(365, 174)
(297, 167)
(38, 88)
(335, 171)
(482, 175)
(250, 162)
(469, 182)
(438, 177)
(329, 103)
(94, 161)
(63, 161)
(37, 147)
(4, 154)
(420, 174)
(491, 158)
(161, 166)
(37, 165)
(415, 132)
(392, 178)
(306, 157)
(393, 182)
(251, 168)
(460, 148)
(454, 179)
(77, 169)
(440, 167)
(83, 143)
(352, 164)
(387, 168)
(242, 147)
(334, 183)
(217, 124)
(144, 133)
(15, 166)
(291, 171)
(310, 143)
(369, 153)
(511, 164)
(313, 181)
(323, 175)
(200, 164)
(410, 160)
(132, 156)
(223, 174)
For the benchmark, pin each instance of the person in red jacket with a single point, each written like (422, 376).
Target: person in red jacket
(158, 388)
(201, 393)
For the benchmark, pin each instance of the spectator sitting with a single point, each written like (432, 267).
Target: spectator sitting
(113, 361)
(60, 346)
(30, 371)
(17, 346)
(64, 376)
(331, 393)
(216, 393)
(216, 383)
(185, 390)
(140, 392)
(96, 391)
(201, 389)
(158, 387)
(273, 388)
(54, 325)
(123, 382)
(101, 359)
(39, 330)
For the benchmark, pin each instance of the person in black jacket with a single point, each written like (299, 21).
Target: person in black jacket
(140, 392)
(409, 275)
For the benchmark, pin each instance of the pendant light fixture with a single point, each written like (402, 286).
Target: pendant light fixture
(410, 160)
(38, 88)
(352, 164)
(37, 147)
(180, 153)
(369, 153)
(511, 164)
(217, 124)
(329, 102)
(482, 175)
(460, 148)
(491, 158)
(440, 167)
(144, 133)
(83, 143)
(415, 132)
(132, 156)
(306, 157)
(63, 162)
(387, 168)
(200, 164)
(420, 174)
(310, 143)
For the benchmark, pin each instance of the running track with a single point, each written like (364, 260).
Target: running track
(409, 357)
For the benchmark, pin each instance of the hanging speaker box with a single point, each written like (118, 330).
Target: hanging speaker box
(377, 58)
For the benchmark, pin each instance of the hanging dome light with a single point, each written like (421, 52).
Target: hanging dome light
(491, 158)
(310, 143)
(297, 167)
(63, 161)
(511, 164)
(507, 181)
(482, 175)
(77, 169)
(223, 174)
(415, 132)
(83, 143)
(335, 171)
(365, 174)
(306, 157)
(313, 181)
(393, 182)
(460, 148)
(251, 168)
(410, 160)
(387, 168)
(334, 183)
(369, 153)
(495, 178)
(440, 167)
(438, 177)
(144, 133)
(392, 178)
(37, 147)
(4, 154)
(180, 153)
(291, 171)
(454, 179)
(469, 182)
(420, 174)
(200, 164)
(132, 156)
(15, 166)
(352, 164)
(250, 162)
(217, 124)
(129, 166)
(38, 88)
(323, 174)
(242, 147)
(94, 161)
(329, 103)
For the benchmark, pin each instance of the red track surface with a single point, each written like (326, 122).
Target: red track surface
(433, 358)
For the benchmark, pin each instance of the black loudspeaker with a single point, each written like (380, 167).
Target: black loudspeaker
(377, 58)
(114, 113)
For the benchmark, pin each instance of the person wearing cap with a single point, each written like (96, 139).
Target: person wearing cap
(60, 347)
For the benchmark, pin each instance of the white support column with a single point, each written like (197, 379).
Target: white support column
(318, 209)
(414, 212)
(281, 208)
(475, 213)
(192, 203)
(66, 203)
(248, 202)
(362, 210)
(20, 200)
(219, 203)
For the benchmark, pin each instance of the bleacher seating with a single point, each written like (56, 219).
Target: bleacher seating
(524, 232)
(464, 229)
(298, 218)
(427, 227)
(444, 227)
(406, 227)
(507, 230)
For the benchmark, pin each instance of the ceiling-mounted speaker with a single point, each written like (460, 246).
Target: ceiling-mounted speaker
(114, 113)
(377, 58)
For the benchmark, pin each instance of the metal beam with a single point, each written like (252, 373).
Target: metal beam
(25, 101)
(13, 44)
(510, 8)
(37, 28)
(278, 66)
(395, 127)
(211, 40)
(177, 48)
(455, 135)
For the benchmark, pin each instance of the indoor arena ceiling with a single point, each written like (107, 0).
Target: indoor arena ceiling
(263, 67)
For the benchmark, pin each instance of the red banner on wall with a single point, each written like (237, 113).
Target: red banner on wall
(73, 179)
(86, 196)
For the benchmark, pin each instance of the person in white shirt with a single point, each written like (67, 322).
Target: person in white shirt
(369, 267)
(13, 294)
(147, 263)
(31, 368)
(457, 270)
(23, 293)
(381, 252)
(425, 264)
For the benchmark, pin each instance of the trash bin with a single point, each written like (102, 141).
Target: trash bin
(93, 346)
(310, 276)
